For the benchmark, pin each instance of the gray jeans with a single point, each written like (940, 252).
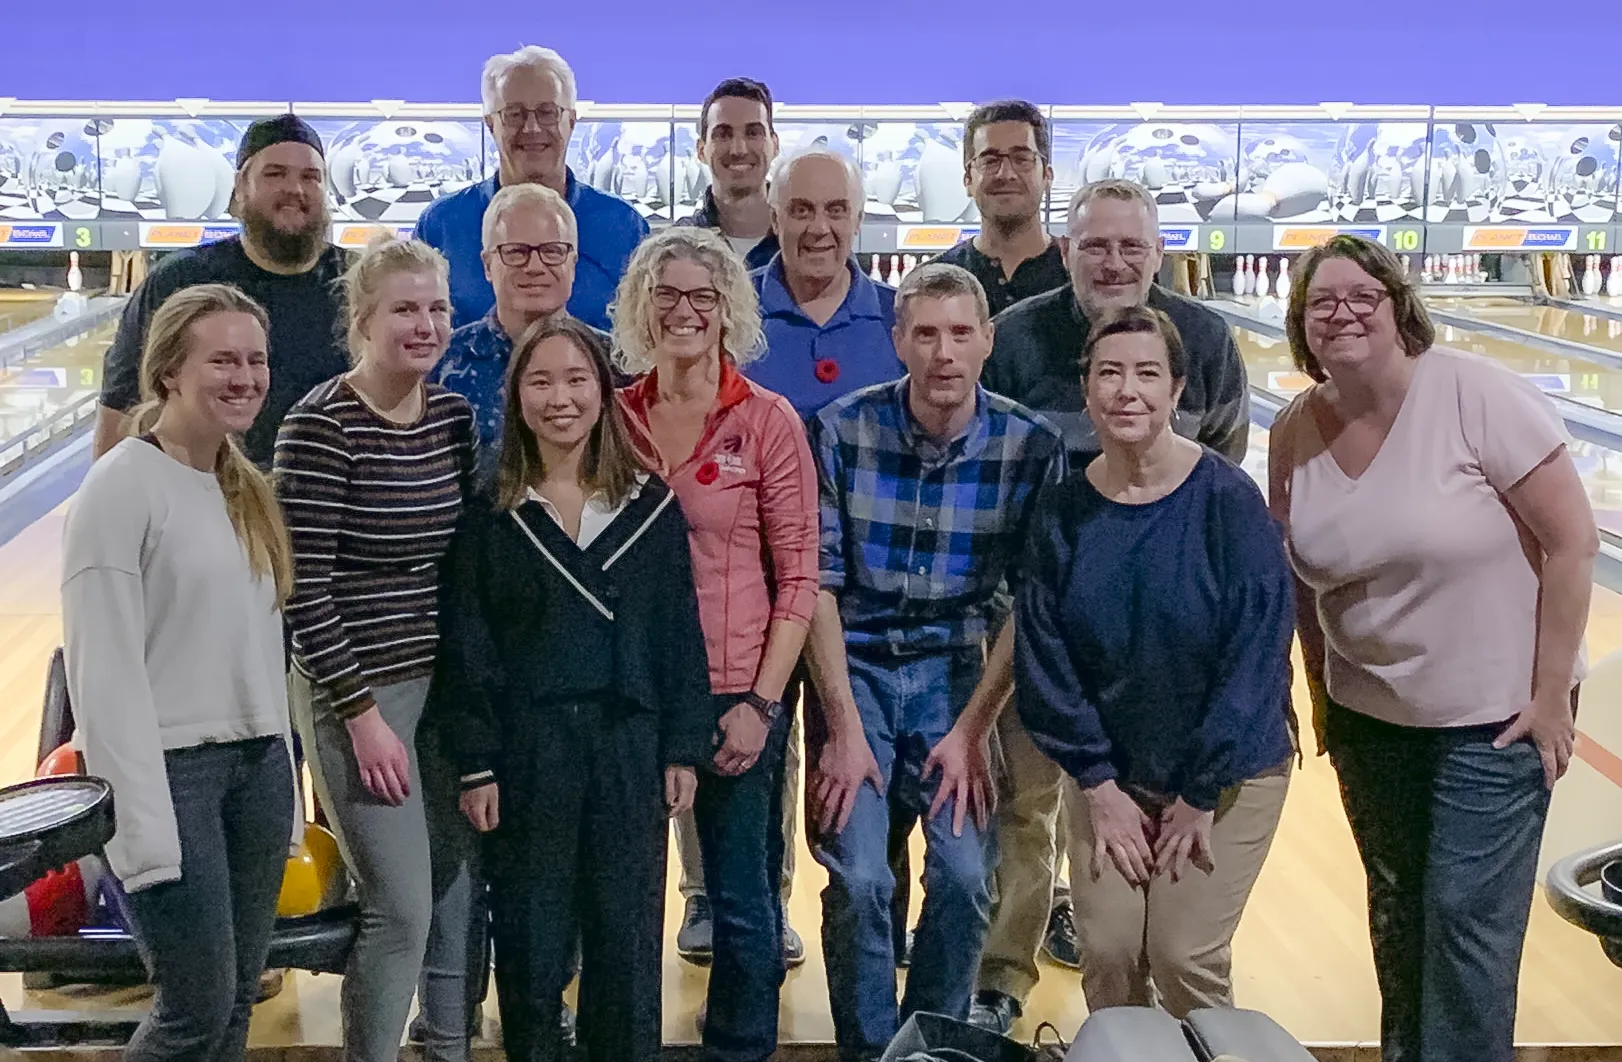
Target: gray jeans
(204, 938)
(411, 905)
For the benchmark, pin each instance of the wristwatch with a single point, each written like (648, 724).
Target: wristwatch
(769, 710)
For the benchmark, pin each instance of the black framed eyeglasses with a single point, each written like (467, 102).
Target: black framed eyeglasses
(515, 116)
(517, 255)
(703, 300)
(1362, 303)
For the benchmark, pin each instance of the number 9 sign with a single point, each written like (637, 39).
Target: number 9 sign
(1218, 240)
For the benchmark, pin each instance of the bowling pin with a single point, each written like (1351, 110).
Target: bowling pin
(1613, 283)
(894, 276)
(1250, 274)
(1452, 276)
(1282, 287)
(75, 278)
(1480, 275)
(1426, 270)
(1264, 283)
(1238, 274)
(185, 180)
(1588, 286)
(875, 273)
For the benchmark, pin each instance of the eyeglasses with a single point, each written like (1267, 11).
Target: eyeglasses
(517, 255)
(702, 300)
(1023, 160)
(1129, 250)
(515, 116)
(1362, 303)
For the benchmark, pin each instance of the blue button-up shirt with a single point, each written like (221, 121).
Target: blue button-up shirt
(610, 228)
(475, 367)
(856, 340)
(918, 537)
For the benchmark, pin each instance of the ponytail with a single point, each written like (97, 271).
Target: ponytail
(249, 500)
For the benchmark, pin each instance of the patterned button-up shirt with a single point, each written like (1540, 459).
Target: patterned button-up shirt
(917, 537)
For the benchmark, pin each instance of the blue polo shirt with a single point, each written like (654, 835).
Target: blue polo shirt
(610, 228)
(854, 348)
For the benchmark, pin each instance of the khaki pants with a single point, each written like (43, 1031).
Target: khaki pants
(1174, 936)
(692, 864)
(1030, 844)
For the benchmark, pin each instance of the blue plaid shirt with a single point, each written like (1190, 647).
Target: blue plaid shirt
(918, 538)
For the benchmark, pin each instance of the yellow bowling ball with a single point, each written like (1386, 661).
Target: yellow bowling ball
(315, 878)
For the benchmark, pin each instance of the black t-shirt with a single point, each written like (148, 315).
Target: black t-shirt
(307, 344)
(1031, 277)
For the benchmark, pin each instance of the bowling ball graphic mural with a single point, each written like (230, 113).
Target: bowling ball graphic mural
(1378, 171)
(160, 168)
(1583, 176)
(1468, 173)
(1192, 168)
(390, 170)
(630, 160)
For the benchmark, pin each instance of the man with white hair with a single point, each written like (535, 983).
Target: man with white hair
(529, 108)
(529, 257)
(827, 324)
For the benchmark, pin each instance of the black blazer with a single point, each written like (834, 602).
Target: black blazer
(528, 620)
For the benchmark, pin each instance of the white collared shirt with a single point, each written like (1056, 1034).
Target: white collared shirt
(597, 514)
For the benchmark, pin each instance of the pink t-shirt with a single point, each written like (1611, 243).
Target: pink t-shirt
(1427, 583)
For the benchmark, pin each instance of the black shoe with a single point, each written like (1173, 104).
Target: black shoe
(994, 1011)
(793, 947)
(903, 954)
(695, 940)
(1061, 945)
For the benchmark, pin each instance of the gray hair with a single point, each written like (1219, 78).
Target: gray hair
(786, 163)
(1119, 190)
(940, 280)
(635, 316)
(527, 196)
(529, 57)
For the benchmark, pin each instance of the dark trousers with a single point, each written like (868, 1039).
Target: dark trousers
(1448, 829)
(579, 854)
(204, 937)
(740, 832)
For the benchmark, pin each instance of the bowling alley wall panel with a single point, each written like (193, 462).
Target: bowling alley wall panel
(1221, 170)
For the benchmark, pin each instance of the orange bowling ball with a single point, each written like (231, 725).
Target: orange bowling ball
(315, 878)
(64, 759)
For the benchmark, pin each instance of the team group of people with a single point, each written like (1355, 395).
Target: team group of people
(536, 532)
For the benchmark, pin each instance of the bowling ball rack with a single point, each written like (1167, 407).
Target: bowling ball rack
(1570, 894)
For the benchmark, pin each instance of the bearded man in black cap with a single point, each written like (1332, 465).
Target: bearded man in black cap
(283, 260)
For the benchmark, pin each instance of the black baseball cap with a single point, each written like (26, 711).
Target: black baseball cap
(283, 129)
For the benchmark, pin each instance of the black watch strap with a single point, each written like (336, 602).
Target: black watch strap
(769, 710)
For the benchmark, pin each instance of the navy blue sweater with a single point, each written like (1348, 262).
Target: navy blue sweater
(1152, 642)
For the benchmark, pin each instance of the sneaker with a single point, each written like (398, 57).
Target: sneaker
(903, 958)
(1061, 945)
(994, 1011)
(793, 947)
(566, 1024)
(695, 942)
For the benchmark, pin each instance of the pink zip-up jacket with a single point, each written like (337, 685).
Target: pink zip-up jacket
(749, 492)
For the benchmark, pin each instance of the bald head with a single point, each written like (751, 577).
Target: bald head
(816, 200)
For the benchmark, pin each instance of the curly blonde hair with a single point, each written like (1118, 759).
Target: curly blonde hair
(635, 316)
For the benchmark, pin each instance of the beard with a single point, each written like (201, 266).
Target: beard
(282, 246)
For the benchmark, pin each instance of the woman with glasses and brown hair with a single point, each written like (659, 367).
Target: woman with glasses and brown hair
(582, 561)
(1444, 548)
(737, 458)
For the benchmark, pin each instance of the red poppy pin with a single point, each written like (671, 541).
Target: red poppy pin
(707, 473)
(827, 370)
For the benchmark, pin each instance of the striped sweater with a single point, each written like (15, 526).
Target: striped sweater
(371, 506)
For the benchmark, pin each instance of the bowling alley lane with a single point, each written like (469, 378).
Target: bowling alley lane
(1554, 321)
(20, 306)
(51, 380)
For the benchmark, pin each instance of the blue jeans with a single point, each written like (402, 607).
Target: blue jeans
(204, 937)
(740, 833)
(1448, 829)
(907, 705)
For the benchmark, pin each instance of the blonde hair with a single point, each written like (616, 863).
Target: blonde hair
(363, 283)
(534, 196)
(635, 315)
(249, 500)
